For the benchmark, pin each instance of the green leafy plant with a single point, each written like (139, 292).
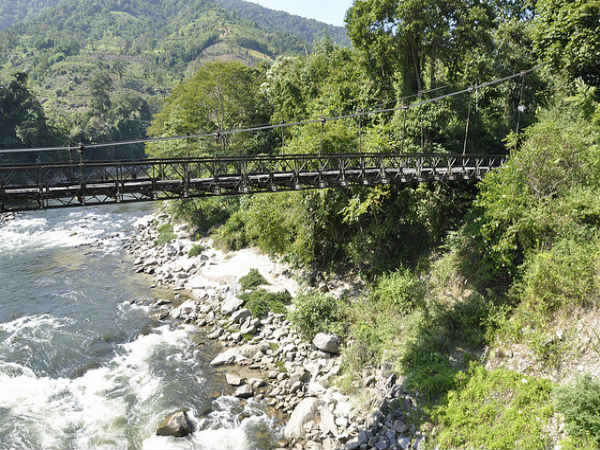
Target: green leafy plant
(165, 234)
(580, 404)
(261, 302)
(315, 313)
(196, 250)
(252, 280)
(495, 409)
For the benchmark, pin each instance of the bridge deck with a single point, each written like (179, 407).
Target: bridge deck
(29, 187)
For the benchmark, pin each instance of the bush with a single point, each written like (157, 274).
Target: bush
(316, 313)
(495, 409)
(196, 250)
(232, 235)
(400, 290)
(261, 302)
(580, 403)
(252, 280)
(165, 234)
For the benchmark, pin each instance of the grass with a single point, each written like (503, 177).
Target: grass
(165, 234)
(580, 404)
(252, 280)
(495, 409)
(316, 313)
(261, 302)
(196, 250)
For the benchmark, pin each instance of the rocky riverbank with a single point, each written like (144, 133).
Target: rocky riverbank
(295, 376)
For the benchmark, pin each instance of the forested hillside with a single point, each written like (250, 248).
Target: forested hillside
(308, 30)
(15, 11)
(100, 68)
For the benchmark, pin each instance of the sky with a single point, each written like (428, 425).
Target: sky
(328, 11)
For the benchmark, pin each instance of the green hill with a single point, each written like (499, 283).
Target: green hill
(309, 30)
(15, 11)
(146, 46)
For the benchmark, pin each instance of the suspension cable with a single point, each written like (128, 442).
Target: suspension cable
(221, 133)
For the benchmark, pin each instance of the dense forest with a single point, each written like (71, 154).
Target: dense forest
(484, 300)
(101, 68)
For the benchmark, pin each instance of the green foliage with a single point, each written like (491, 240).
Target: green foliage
(580, 404)
(252, 280)
(400, 290)
(196, 250)
(261, 302)
(220, 96)
(525, 205)
(495, 409)
(165, 234)
(316, 313)
(206, 213)
(567, 36)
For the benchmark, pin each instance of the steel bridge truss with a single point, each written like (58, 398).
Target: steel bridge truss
(30, 187)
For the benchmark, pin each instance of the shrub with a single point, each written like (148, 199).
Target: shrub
(495, 410)
(232, 235)
(252, 280)
(580, 404)
(316, 313)
(400, 290)
(196, 250)
(261, 302)
(165, 234)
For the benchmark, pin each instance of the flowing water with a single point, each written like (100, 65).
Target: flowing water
(82, 368)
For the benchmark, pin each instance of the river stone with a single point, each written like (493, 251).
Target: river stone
(327, 424)
(233, 380)
(240, 315)
(231, 305)
(228, 357)
(176, 425)
(305, 411)
(244, 391)
(329, 343)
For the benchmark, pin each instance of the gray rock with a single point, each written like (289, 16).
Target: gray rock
(244, 391)
(240, 315)
(327, 424)
(306, 410)
(176, 425)
(233, 380)
(228, 357)
(231, 305)
(329, 343)
(404, 442)
(352, 445)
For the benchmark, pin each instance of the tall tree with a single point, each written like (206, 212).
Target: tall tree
(410, 36)
(567, 36)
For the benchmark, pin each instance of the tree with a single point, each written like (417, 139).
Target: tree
(220, 96)
(567, 36)
(100, 86)
(407, 35)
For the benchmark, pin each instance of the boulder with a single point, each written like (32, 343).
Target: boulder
(306, 411)
(176, 425)
(244, 391)
(233, 380)
(241, 315)
(231, 305)
(329, 343)
(228, 357)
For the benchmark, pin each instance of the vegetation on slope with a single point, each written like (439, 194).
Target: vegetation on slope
(308, 30)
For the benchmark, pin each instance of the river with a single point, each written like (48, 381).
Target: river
(80, 367)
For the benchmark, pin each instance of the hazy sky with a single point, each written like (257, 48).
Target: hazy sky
(329, 11)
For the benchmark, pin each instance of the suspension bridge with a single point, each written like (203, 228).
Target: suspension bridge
(87, 182)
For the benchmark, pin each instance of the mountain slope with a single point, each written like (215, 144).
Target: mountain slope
(15, 11)
(145, 45)
(309, 30)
